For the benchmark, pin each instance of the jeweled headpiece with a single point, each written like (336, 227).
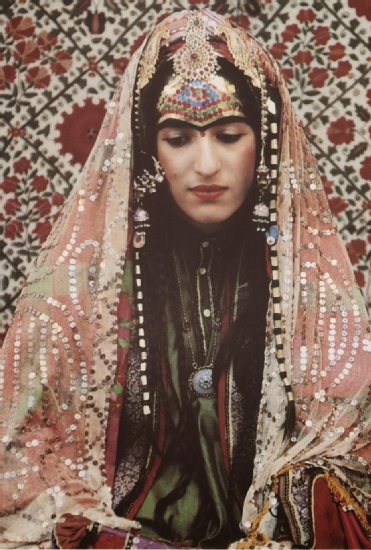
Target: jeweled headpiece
(199, 102)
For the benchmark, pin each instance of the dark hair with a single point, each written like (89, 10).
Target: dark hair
(245, 340)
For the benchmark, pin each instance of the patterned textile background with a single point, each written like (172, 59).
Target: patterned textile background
(60, 62)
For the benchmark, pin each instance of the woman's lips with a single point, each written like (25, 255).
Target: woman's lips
(208, 192)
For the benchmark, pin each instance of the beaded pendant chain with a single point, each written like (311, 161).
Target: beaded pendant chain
(143, 353)
(200, 381)
(272, 237)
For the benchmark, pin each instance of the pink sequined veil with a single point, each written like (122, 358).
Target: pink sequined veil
(60, 370)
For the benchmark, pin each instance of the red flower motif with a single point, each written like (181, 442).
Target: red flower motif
(356, 248)
(290, 32)
(368, 94)
(120, 64)
(38, 76)
(327, 185)
(362, 7)
(11, 206)
(43, 206)
(93, 65)
(42, 230)
(318, 77)
(9, 184)
(287, 73)
(17, 131)
(343, 69)
(62, 63)
(45, 40)
(303, 56)
(80, 128)
(337, 51)
(341, 131)
(360, 278)
(39, 183)
(7, 75)
(22, 165)
(337, 205)
(306, 15)
(26, 52)
(322, 35)
(277, 50)
(12, 228)
(20, 27)
(57, 199)
(96, 22)
(365, 170)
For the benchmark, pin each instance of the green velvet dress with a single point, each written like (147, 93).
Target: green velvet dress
(195, 502)
(197, 259)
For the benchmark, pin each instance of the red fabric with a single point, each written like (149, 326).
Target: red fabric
(327, 526)
(71, 530)
(268, 262)
(354, 534)
(110, 540)
(333, 526)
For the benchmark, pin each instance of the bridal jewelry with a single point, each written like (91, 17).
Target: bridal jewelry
(146, 183)
(200, 381)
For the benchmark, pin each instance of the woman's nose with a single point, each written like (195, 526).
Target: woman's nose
(207, 161)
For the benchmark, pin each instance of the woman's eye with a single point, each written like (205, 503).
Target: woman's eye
(177, 141)
(229, 138)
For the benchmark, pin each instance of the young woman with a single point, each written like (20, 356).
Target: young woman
(188, 362)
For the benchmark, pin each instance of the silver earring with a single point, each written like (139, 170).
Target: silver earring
(146, 183)
(261, 210)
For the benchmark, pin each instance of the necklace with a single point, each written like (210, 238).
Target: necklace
(200, 381)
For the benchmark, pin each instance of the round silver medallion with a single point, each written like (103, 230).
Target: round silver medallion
(201, 382)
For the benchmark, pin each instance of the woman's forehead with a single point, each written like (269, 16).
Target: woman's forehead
(222, 121)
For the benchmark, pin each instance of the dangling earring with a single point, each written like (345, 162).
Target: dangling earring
(261, 210)
(146, 183)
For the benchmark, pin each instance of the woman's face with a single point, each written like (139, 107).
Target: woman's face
(209, 172)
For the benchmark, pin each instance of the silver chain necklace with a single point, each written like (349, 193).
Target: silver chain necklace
(200, 381)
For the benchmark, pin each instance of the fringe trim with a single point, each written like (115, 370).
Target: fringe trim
(255, 537)
(343, 497)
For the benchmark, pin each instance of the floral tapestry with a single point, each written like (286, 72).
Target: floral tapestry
(61, 60)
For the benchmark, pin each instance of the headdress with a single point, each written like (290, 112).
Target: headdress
(199, 102)
(64, 356)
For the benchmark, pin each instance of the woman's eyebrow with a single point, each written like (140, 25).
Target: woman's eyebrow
(174, 123)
